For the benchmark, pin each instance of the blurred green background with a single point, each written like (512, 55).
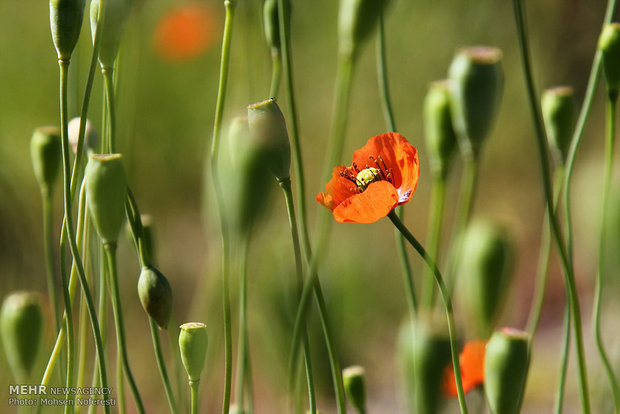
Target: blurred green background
(165, 113)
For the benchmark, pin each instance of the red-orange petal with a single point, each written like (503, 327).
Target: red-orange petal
(337, 189)
(369, 206)
(397, 154)
(184, 33)
(471, 361)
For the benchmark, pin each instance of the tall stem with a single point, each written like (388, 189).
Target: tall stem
(435, 225)
(388, 115)
(213, 157)
(612, 100)
(117, 310)
(108, 80)
(555, 227)
(447, 301)
(243, 350)
(276, 72)
(161, 365)
(194, 387)
(48, 242)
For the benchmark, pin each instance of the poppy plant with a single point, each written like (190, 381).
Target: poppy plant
(384, 174)
(472, 368)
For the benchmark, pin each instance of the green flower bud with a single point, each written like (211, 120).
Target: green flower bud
(21, 322)
(272, 25)
(431, 355)
(116, 13)
(440, 137)
(609, 45)
(193, 348)
(487, 259)
(505, 370)
(356, 22)
(91, 139)
(268, 130)
(355, 387)
(247, 183)
(46, 153)
(155, 295)
(558, 109)
(66, 23)
(106, 191)
(476, 82)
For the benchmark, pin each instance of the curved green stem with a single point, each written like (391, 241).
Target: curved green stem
(194, 387)
(243, 351)
(161, 365)
(290, 208)
(447, 301)
(567, 267)
(276, 72)
(219, 111)
(559, 396)
(612, 100)
(435, 225)
(48, 242)
(388, 115)
(121, 344)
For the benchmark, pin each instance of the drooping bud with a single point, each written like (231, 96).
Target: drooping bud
(21, 322)
(268, 130)
(486, 268)
(46, 152)
(114, 19)
(609, 45)
(476, 81)
(66, 22)
(155, 295)
(90, 136)
(440, 137)
(355, 386)
(193, 347)
(558, 109)
(106, 190)
(356, 21)
(505, 365)
(272, 25)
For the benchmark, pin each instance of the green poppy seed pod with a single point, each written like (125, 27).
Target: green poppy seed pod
(106, 191)
(116, 14)
(268, 130)
(476, 81)
(440, 137)
(506, 363)
(431, 356)
(558, 109)
(355, 386)
(356, 21)
(66, 23)
(193, 348)
(46, 153)
(155, 295)
(91, 139)
(21, 322)
(609, 45)
(487, 261)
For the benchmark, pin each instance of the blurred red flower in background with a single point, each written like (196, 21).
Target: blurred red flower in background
(471, 360)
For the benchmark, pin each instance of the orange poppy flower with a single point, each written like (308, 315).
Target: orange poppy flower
(384, 173)
(471, 361)
(184, 33)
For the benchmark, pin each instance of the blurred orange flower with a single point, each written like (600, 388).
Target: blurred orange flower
(184, 32)
(471, 360)
(384, 174)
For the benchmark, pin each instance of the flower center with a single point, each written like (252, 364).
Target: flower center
(363, 178)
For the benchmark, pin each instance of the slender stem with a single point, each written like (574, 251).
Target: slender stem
(48, 242)
(85, 233)
(276, 72)
(388, 115)
(290, 208)
(219, 111)
(108, 80)
(296, 149)
(559, 399)
(466, 201)
(161, 365)
(612, 100)
(243, 350)
(446, 301)
(579, 130)
(194, 387)
(435, 225)
(542, 270)
(555, 227)
(117, 310)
